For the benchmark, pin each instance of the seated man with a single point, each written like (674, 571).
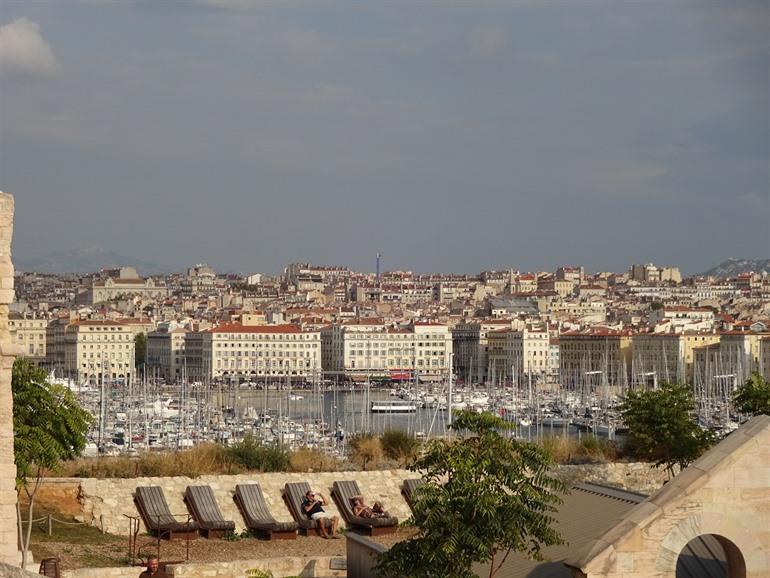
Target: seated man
(361, 510)
(312, 506)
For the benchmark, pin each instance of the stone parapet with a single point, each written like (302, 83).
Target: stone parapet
(96, 500)
(309, 567)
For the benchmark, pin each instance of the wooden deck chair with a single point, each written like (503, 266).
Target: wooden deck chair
(293, 496)
(204, 510)
(49, 567)
(256, 514)
(343, 494)
(408, 489)
(152, 507)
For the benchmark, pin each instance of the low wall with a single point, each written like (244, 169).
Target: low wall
(317, 567)
(89, 499)
(361, 555)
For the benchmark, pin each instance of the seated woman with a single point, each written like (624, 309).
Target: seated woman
(361, 510)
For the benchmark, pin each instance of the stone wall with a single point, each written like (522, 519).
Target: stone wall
(9, 551)
(316, 567)
(89, 499)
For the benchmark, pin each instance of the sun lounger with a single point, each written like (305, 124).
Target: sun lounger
(204, 510)
(343, 494)
(294, 495)
(256, 514)
(408, 489)
(152, 507)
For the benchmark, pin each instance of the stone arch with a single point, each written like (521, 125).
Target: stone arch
(738, 540)
(718, 548)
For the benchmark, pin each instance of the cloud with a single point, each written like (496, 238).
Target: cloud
(24, 51)
(486, 41)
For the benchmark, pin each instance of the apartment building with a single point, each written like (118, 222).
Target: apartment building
(596, 356)
(470, 346)
(518, 353)
(764, 357)
(680, 318)
(740, 353)
(235, 351)
(98, 349)
(666, 357)
(366, 348)
(166, 354)
(28, 333)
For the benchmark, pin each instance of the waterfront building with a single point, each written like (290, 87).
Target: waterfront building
(365, 348)
(595, 356)
(666, 357)
(519, 353)
(243, 352)
(28, 333)
(470, 346)
(98, 349)
(166, 354)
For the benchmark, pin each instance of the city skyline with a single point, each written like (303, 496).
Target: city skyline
(447, 137)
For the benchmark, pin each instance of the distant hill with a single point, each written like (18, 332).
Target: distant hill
(86, 261)
(733, 267)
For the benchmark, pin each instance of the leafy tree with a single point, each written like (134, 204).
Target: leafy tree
(486, 494)
(662, 427)
(753, 397)
(656, 305)
(140, 349)
(49, 427)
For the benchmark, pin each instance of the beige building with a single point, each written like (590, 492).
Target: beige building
(516, 353)
(596, 356)
(96, 350)
(470, 346)
(367, 348)
(666, 357)
(740, 353)
(166, 354)
(124, 282)
(764, 357)
(251, 352)
(28, 333)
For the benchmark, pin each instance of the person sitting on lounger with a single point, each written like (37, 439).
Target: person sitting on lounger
(361, 510)
(312, 505)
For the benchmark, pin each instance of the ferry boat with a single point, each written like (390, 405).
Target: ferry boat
(393, 406)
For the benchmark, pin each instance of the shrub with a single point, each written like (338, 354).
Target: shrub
(252, 455)
(588, 449)
(366, 450)
(310, 460)
(399, 445)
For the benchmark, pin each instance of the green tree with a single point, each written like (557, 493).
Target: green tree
(486, 495)
(662, 427)
(140, 349)
(49, 427)
(753, 397)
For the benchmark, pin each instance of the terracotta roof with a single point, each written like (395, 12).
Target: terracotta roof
(238, 328)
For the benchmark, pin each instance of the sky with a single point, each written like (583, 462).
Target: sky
(448, 136)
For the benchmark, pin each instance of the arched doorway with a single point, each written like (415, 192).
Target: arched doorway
(710, 556)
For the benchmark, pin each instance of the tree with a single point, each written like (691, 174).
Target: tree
(753, 397)
(140, 349)
(485, 494)
(662, 427)
(49, 426)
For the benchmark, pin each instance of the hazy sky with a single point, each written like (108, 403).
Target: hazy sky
(449, 136)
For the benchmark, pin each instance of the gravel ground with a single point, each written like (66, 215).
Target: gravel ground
(107, 550)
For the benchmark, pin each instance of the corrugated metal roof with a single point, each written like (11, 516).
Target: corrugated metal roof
(588, 511)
